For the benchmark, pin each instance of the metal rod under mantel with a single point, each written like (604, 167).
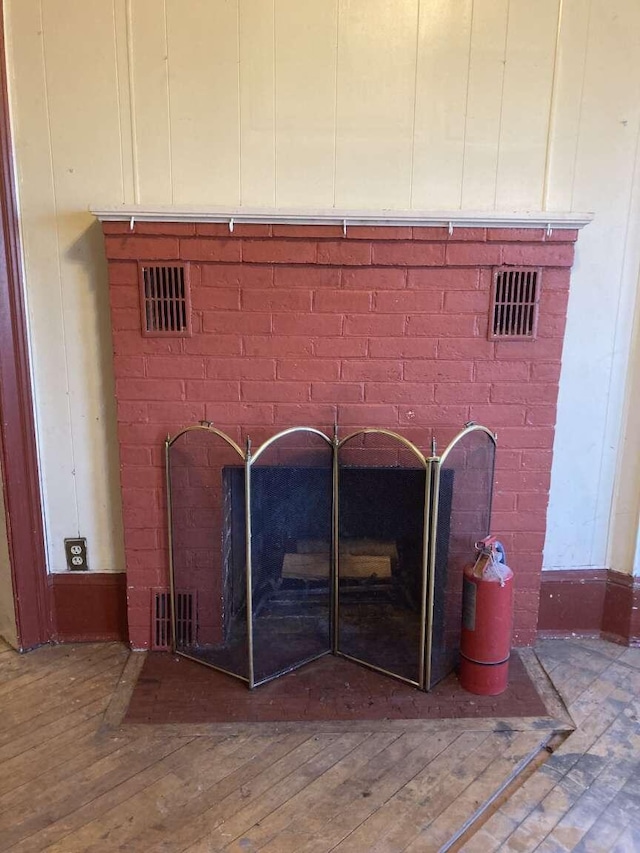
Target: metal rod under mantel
(550, 220)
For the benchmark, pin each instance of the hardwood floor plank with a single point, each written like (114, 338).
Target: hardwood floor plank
(586, 771)
(175, 830)
(565, 816)
(307, 804)
(353, 786)
(122, 694)
(99, 688)
(487, 840)
(32, 736)
(57, 694)
(575, 669)
(77, 684)
(428, 808)
(37, 662)
(552, 700)
(115, 828)
(110, 781)
(481, 789)
(365, 794)
(544, 817)
(46, 758)
(613, 651)
(580, 818)
(73, 780)
(603, 837)
(512, 813)
(630, 657)
(243, 761)
(399, 806)
(257, 808)
(212, 810)
(628, 841)
(44, 673)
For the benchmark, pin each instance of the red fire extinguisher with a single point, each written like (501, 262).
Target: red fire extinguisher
(487, 621)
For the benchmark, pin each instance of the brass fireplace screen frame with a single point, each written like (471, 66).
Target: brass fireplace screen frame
(432, 465)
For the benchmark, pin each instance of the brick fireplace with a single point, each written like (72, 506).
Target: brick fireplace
(303, 325)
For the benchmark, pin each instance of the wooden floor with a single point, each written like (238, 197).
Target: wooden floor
(72, 778)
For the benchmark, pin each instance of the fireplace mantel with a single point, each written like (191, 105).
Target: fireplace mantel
(451, 219)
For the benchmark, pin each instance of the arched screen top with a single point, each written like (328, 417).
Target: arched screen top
(207, 428)
(465, 432)
(301, 439)
(379, 446)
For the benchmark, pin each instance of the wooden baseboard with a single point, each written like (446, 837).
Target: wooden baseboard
(621, 617)
(590, 602)
(92, 607)
(89, 607)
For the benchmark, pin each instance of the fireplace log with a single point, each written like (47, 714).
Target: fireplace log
(317, 566)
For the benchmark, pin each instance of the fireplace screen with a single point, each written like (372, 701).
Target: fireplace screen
(380, 557)
(312, 545)
(206, 479)
(291, 499)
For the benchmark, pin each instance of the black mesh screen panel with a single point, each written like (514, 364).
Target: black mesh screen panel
(291, 525)
(380, 539)
(464, 517)
(206, 476)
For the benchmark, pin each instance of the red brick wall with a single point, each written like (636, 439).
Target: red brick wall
(297, 325)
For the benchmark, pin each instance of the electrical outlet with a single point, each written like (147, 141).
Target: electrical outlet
(76, 551)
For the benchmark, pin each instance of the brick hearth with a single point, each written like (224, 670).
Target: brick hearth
(299, 325)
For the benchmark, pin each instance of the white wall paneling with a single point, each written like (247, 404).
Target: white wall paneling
(604, 284)
(566, 104)
(526, 103)
(490, 105)
(377, 49)
(68, 147)
(486, 58)
(257, 103)
(148, 85)
(203, 67)
(306, 48)
(624, 547)
(440, 103)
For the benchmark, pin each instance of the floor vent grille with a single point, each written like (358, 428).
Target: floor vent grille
(186, 619)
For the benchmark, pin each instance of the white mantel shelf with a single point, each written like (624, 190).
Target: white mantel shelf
(550, 220)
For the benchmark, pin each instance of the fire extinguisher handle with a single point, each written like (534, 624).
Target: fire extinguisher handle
(492, 545)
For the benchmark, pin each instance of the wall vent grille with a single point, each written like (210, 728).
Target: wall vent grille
(514, 303)
(186, 619)
(165, 300)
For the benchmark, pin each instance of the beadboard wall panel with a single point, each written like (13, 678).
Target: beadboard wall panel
(464, 104)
